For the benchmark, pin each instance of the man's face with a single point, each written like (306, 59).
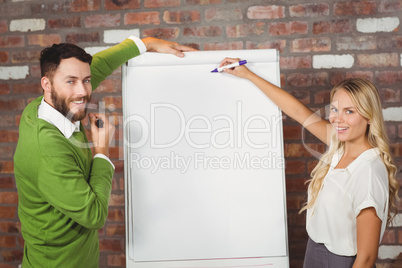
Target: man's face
(71, 88)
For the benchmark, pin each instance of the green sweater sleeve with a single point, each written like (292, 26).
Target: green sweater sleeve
(108, 60)
(73, 183)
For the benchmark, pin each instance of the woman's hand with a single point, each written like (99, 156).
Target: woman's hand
(240, 71)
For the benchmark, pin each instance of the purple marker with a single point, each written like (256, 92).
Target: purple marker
(220, 69)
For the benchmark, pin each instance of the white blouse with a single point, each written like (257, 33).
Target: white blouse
(345, 192)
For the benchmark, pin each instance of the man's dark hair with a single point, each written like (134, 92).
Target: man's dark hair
(51, 57)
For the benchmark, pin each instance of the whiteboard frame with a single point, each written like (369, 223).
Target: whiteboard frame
(278, 261)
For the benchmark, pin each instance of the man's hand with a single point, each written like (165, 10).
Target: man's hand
(102, 136)
(163, 46)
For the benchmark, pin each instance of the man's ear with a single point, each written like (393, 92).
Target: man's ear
(46, 84)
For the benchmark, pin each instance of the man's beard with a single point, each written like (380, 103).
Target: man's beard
(61, 105)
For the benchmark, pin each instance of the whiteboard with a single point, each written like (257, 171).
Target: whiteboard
(204, 163)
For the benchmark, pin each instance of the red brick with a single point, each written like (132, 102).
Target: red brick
(167, 33)
(4, 55)
(44, 40)
(34, 70)
(8, 197)
(7, 167)
(218, 14)
(336, 26)
(389, 6)
(292, 132)
(400, 131)
(400, 235)
(6, 120)
(61, 23)
(389, 237)
(141, 18)
(290, 63)
(322, 97)
(8, 135)
(12, 41)
(161, 3)
(6, 152)
(7, 183)
(14, 10)
(296, 219)
(311, 45)
(288, 28)
(391, 131)
(7, 212)
(115, 229)
(275, 44)
(339, 77)
(27, 88)
(266, 12)
(244, 30)
(115, 152)
(307, 80)
(4, 89)
(378, 60)
(390, 95)
(296, 185)
(116, 215)
(25, 56)
(302, 150)
(122, 4)
(309, 10)
(3, 26)
(181, 17)
(119, 166)
(116, 200)
(104, 20)
(8, 241)
(295, 201)
(47, 8)
(10, 227)
(12, 255)
(116, 260)
(388, 77)
(108, 244)
(359, 43)
(84, 5)
(203, 31)
(109, 85)
(203, 2)
(355, 8)
(83, 38)
(295, 167)
(116, 101)
(13, 104)
(224, 46)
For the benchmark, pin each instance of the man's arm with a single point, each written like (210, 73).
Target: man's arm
(108, 60)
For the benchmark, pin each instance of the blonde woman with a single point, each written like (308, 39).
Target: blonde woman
(353, 191)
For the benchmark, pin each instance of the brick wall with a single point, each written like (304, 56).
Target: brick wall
(319, 43)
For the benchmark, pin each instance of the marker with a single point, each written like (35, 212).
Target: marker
(220, 69)
(99, 123)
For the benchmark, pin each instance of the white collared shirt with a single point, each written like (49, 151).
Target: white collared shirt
(345, 192)
(66, 127)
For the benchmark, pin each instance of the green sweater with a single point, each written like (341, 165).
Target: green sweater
(63, 193)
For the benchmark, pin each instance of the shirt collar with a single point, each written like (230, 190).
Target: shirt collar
(54, 117)
(363, 157)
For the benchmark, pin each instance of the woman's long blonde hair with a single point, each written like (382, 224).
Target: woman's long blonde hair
(368, 104)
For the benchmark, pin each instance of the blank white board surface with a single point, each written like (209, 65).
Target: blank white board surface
(204, 164)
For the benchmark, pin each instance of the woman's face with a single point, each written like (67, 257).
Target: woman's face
(349, 125)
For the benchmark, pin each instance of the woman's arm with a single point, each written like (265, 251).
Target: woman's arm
(368, 229)
(318, 126)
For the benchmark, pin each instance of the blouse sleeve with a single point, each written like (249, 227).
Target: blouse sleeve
(370, 188)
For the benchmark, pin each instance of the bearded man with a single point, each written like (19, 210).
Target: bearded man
(63, 190)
